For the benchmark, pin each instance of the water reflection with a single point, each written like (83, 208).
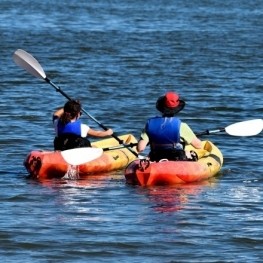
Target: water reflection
(88, 181)
(167, 199)
(164, 199)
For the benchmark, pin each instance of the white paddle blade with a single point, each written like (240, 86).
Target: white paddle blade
(80, 156)
(245, 128)
(29, 63)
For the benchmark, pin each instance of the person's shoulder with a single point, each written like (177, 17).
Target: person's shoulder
(83, 125)
(184, 125)
(84, 129)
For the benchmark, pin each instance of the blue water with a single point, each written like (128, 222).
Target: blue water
(118, 58)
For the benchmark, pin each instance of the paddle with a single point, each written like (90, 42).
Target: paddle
(80, 156)
(32, 66)
(132, 144)
(243, 128)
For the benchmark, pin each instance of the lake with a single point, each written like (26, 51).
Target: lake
(118, 58)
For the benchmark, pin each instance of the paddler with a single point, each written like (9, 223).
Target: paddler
(167, 135)
(70, 131)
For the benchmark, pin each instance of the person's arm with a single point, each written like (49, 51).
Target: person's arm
(141, 145)
(144, 140)
(189, 136)
(196, 143)
(95, 133)
(58, 113)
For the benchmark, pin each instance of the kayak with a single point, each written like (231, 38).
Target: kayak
(146, 173)
(51, 164)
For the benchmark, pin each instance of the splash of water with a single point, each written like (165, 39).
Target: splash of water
(72, 172)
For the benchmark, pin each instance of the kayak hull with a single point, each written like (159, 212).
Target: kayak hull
(51, 164)
(164, 172)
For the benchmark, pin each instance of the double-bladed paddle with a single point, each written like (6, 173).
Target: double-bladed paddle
(243, 128)
(32, 66)
(80, 156)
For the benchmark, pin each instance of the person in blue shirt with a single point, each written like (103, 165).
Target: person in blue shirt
(167, 135)
(70, 131)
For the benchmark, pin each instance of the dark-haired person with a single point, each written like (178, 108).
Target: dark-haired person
(166, 134)
(70, 131)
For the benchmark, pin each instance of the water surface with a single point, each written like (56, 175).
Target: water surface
(118, 58)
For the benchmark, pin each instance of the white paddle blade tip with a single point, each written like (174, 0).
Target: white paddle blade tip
(245, 128)
(29, 63)
(80, 156)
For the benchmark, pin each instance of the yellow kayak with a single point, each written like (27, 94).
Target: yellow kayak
(51, 164)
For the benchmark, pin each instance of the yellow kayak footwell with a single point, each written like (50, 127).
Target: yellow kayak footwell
(145, 173)
(50, 164)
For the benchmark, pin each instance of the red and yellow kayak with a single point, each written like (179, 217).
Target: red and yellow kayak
(51, 164)
(146, 173)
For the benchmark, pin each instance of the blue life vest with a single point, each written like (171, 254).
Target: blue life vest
(70, 127)
(163, 132)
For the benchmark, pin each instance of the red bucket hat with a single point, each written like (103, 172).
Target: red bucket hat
(170, 103)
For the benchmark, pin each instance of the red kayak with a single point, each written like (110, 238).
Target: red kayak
(146, 173)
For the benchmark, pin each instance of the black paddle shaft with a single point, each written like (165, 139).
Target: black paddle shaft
(208, 132)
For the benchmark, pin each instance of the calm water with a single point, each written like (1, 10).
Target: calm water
(118, 57)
